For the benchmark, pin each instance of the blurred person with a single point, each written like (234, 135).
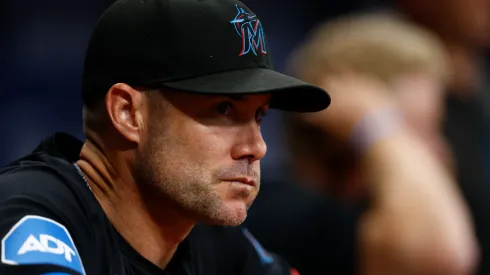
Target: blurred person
(464, 28)
(380, 148)
(408, 59)
(170, 163)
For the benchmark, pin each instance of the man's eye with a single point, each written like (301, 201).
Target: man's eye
(259, 115)
(224, 108)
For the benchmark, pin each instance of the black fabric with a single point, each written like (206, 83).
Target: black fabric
(47, 184)
(314, 234)
(189, 45)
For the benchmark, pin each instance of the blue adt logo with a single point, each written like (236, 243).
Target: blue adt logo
(39, 240)
(249, 28)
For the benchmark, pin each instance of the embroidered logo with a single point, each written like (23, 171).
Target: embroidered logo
(249, 28)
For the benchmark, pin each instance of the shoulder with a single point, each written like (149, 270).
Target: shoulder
(36, 240)
(239, 249)
(29, 176)
(42, 219)
(45, 187)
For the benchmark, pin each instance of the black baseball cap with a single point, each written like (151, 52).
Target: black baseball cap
(200, 46)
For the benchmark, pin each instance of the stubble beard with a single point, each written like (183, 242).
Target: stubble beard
(173, 182)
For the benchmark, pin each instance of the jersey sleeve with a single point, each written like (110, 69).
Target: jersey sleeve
(262, 262)
(36, 232)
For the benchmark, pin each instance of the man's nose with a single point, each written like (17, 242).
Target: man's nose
(250, 144)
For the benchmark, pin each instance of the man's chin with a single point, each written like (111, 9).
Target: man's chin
(228, 216)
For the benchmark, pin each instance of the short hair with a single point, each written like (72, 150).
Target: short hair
(379, 44)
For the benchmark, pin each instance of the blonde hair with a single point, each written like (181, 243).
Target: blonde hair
(381, 45)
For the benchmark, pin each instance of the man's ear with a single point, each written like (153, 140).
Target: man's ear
(124, 107)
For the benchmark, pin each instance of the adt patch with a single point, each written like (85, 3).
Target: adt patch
(39, 240)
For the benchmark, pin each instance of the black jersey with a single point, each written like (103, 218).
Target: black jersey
(51, 224)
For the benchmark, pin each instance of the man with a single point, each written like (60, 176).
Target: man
(174, 92)
(381, 139)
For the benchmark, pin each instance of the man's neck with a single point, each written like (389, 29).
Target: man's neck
(155, 237)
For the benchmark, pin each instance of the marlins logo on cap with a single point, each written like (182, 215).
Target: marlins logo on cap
(249, 28)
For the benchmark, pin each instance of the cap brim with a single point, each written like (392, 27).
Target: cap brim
(288, 93)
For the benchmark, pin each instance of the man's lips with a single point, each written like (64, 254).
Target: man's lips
(244, 180)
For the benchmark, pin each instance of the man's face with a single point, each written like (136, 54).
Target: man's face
(203, 153)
